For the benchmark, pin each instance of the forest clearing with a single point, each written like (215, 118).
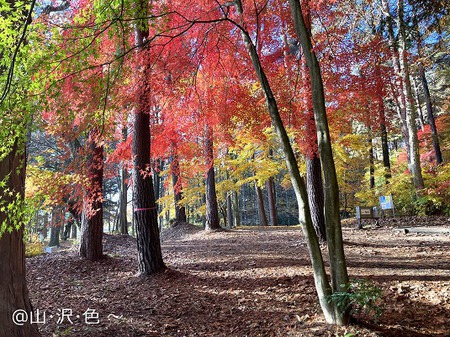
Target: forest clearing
(255, 281)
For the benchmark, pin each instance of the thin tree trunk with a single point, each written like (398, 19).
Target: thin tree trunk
(414, 162)
(13, 287)
(212, 209)
(261, 209)
(322, 285)
(236, 213)
(123, 220)
(123, 202)
(272, 202)
(180, 211)
(383, 129)
(91, 246)
(229, 210)
(371, 159)
(418, 104)
(338, 266)
(55, 228)
(430, 115)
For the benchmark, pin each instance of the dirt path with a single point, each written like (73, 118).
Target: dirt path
(254, 282)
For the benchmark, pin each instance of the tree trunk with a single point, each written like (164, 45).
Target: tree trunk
(150, 259)
(158, 166)
(91, 246)
(261, 209)
(314, 185)
(430, 114)
(229, 210)
(236, 213)
(384, 137)
(74, 230)
(323, 288)
(397, 89)
(55, 229)
(418, 104)
(13, 289)
(272, 202)
(371, 159)
(314, 181)
(414, 158)
(123, 220)
(180, 211)
(338, 266)
(212, 209)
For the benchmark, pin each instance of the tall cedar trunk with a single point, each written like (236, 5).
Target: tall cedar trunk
(272, 202)
(212, 209)
(371, 160)
(314, 185)
(180, 211)
(236, 213)
(320, 278)
(338, 266)
(91, 246)
(430, 114)
(414, 158)
(261, 209)
(123, 220)
(13, 288)
(150, 259)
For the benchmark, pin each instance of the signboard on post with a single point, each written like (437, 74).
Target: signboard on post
(387, 204)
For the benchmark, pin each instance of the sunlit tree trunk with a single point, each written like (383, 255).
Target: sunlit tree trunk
(338, 266)
(272, 202)
(430, 115)
(414, 158)
(337, 259)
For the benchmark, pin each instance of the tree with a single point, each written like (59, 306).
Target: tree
(14, 118)
(339, 277)
(150, 259)
(212, 208)
(92, 217)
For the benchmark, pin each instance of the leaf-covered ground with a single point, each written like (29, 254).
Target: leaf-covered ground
(248, 282)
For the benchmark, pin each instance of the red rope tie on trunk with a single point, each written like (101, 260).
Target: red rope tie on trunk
(144, 209)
